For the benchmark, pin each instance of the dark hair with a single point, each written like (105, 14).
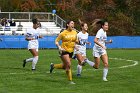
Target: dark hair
(82, 24)
(68, 23)
(102, 22)
(62, 30)
(34, 20)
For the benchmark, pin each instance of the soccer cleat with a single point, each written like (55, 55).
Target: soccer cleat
(24, 62)
(33, 69)
(51, 67)
(78, 75)
(71, 82)
(104, 79)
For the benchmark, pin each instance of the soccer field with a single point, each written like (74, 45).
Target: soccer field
(123, 76)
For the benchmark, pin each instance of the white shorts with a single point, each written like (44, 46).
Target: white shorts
(33, 46)
(98, 52)
(81, 50)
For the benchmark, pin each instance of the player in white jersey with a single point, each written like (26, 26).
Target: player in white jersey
(32, 37)
(80, 48)
(99, 49)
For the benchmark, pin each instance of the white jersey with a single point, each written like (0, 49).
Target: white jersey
(102, 37)
(33, 33)
(82, 38)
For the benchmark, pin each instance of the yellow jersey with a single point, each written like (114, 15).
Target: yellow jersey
(68, 40)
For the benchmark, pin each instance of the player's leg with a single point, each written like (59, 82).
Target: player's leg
(80, 59)
(97, 62)
(34, 52)
(57, 66)
(105, 62)
(67, 65)
(89, 62)
(27, 60)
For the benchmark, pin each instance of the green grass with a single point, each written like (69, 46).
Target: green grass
(15, 79)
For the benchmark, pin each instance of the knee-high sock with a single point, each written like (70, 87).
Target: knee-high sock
(69, 74)
(34, 62)
(90, 62)
(79, 69)
(105, 71)
(29, 59)
(58, 66)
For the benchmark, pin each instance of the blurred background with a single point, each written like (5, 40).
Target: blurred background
(123, 15)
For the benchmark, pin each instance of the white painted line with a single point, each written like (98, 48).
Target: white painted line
(121, 59)
(135, 63)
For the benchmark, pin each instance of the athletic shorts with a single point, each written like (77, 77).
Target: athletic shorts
(99, 53)
(32, 46)
(81, 50)
(65, 53)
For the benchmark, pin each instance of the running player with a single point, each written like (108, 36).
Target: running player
(32, 37)
(80, 47)
(68, 38)
(99, 49)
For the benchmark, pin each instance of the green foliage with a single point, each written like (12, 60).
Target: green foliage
(123, 15)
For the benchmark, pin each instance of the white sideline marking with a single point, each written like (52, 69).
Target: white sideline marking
(126, 66)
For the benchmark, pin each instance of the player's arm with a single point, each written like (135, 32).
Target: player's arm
(57, 42)
(108, 42)
(77, 40)
(40, 36)
(77, 43)
(89, 43)
(29, 38)
(96, 41)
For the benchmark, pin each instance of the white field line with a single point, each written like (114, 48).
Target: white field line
(134, 63)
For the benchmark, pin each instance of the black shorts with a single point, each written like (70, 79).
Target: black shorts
(65, 53)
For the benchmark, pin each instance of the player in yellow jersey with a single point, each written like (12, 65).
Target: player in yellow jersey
(68, 38)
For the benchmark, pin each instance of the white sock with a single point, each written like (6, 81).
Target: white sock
(105, 71)
(79, 69)
(90, 62)
(29, 60)
(34, 62)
